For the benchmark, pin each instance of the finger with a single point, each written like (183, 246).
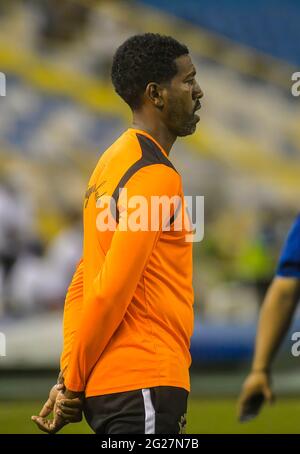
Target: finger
(269, 396)
(48, 425)
(74, 417)
(247, 414)
(60, 387)
(242, 402)
(71, 419)
(240, 405)
(58, 423)
(43, 424)
(47, 408)
(248, 407)
(68, 410)
(244, 414)
(70, 403)
(239, 409)
(251, 406)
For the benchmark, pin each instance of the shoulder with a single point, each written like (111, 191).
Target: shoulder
(155, 179)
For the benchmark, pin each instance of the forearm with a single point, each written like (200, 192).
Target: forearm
(275, 318)
(107, 314)
(72, 311)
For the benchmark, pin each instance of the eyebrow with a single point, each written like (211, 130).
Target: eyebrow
(190, 74)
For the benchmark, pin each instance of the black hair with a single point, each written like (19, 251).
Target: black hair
(142, 59)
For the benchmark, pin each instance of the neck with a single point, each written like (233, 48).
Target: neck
(156, 129)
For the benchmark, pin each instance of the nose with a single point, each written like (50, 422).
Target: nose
(198, 93)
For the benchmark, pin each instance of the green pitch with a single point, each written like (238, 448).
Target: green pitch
(211, 416)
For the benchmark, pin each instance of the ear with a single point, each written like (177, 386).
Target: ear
(154, 93)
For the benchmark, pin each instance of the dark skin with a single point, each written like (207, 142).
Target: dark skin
(275, 318)
(167, 111)
(66, 408)
(65, 405)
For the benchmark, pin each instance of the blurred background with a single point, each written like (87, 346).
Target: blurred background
(60, 113)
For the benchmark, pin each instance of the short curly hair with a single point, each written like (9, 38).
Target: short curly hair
(142, 59)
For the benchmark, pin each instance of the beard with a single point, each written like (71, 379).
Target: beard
(188, 128)
(182, 124)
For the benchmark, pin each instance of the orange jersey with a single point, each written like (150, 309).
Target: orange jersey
(128, 315)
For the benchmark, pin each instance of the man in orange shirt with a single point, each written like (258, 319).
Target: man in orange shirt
(128, 315)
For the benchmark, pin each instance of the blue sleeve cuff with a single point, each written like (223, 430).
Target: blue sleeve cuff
(289, 262)
(288, 273)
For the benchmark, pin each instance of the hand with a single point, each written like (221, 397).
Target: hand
(48, 425)
(256, 390)
(69, 405)
(65, 410)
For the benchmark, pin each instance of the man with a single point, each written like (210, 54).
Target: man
(275, 318)
(128, 314)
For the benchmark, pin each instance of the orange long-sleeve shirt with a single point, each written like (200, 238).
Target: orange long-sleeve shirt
(128, 314)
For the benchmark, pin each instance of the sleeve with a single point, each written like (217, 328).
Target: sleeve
(114, 286)
(72, 311)
(289, 262)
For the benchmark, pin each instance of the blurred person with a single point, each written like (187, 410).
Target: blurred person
(1, 291)
(26, 276)
(275, 318)
(61, 257)
(10, 224)
(63, 20)
(40, 276)
(16, 229)
(128, 315)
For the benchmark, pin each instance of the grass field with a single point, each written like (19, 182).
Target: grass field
(204, 417)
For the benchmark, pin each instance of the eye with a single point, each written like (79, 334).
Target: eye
(190, 81)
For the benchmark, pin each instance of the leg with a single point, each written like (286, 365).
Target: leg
(170, 404)
(118, 413)
(158, 410)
